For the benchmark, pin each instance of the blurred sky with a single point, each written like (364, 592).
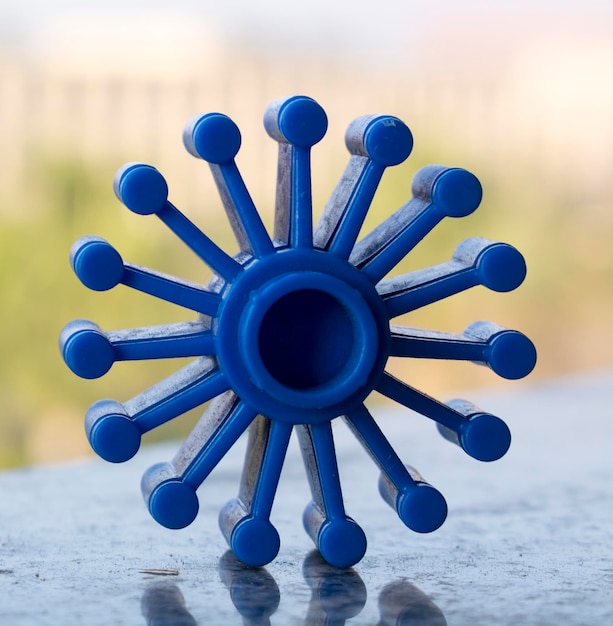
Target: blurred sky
(365, 30)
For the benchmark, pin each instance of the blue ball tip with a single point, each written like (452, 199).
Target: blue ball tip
(96, 263)
(173, 504)
(301, 121)
(141, 188)
(485, 437)
(512, 354)
(501, 267)
(86, 349)
(255, 541)
(342, 542)
(457, 192)
(115, 438)
(388, 140)
(422, 508)
(213, 137)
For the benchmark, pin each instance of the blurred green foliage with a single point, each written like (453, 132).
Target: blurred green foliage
(67, 199)
(564, 306)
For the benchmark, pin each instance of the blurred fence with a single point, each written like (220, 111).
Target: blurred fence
(543, 153)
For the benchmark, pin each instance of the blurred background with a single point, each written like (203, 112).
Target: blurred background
(520, 93)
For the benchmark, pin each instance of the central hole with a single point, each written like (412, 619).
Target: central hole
(306, 339)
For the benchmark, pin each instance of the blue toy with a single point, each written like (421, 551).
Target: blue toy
(294, 331)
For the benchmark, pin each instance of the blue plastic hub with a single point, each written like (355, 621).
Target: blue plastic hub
(296, 330)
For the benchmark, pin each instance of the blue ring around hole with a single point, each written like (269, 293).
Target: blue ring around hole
(291, 262)
(350, 378)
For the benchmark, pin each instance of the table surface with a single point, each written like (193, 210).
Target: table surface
(528, 539)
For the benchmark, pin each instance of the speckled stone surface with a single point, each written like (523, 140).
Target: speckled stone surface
(528, 540)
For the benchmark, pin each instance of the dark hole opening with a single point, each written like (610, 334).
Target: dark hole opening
(306, 339)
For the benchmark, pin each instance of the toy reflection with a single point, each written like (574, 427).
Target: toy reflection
(253, 591)
(403, 604)
(163, 605)
(337, 595)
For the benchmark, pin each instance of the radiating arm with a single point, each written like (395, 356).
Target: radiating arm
(374, 142)
(419, 505)
(476, 261)
(169, 489)
(189, 387)
(114, 429)
(438, 192)
(245, 521)
(90, 352)
(483, 436)
(297, 123)
(339, 539)
(216, 138)
(144, 191)
(100, 267)
(509, 353)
